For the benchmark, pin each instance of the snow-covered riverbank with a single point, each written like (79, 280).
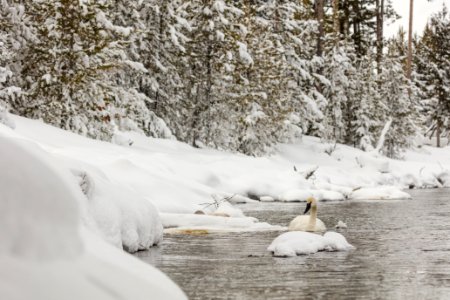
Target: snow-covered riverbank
(124, 183)
(124, 193)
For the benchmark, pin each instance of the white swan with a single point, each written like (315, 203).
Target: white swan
(308, 223)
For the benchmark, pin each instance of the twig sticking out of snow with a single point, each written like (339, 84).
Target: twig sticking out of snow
(330, 149)
(359, 163)
(309, 173)
(217, 202)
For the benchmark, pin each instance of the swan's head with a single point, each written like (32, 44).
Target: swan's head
(310, 202)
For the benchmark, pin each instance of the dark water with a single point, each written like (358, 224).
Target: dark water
(403, 252)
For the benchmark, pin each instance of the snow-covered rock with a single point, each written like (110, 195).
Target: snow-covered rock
(341, 224)
(379, 193)
(266, 199)
(299, 242)
(227, 209)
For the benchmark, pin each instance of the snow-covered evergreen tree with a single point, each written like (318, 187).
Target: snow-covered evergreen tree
(157, 41)
(433, 67)
(340, 73)
(402, 106)
(368, 107)
(261, 79)
(298, 33)
(10, 23)
(206, 72)
(69, 67)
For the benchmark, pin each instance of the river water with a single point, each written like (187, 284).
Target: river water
(402, 252)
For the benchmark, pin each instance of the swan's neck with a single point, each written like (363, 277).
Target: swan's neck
(312, 218)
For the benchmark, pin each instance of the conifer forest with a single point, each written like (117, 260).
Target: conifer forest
(235, 75)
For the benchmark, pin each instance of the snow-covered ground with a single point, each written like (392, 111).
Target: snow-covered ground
(67, 200)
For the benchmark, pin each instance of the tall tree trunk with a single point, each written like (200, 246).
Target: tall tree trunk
(409, 60)
(162, 15)
(336, 25)
(318, 7)
(380, 25)
(346, 22)
(357, 37)
(438, 133)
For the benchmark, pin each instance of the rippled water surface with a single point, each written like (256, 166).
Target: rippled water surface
(403, 252)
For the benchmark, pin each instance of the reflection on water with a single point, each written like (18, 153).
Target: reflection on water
(403, 252)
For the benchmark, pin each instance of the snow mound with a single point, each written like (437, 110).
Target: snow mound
(371, 161)
(266, 199)
(301, 195)
(175, 223)
(121, 216)
(227, 209)
(45, 253)
(379, 193)
(38, 204)
(299, 242)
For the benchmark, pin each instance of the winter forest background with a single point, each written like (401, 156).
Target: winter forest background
(228, 74)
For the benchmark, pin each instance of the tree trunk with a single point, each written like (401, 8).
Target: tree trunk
(438, 134)
(409, 60)
(346, 21)
(357, 37)
(318, 6)
(336, 25)
(380, 24)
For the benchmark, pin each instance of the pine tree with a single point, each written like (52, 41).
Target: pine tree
(433, 66)
(263, 93)
(206, 71)
(298, 33)
(340, 72)
(402, 105)
(10, 24)
(69, 67)
(157, 42)
(368, 107)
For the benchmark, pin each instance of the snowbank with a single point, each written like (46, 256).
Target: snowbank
(111, 209)
(379, 193)
(142, 176)
(299, 242)
(44, 253)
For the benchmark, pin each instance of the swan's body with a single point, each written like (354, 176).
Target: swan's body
(302, 223)
(308, 223)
